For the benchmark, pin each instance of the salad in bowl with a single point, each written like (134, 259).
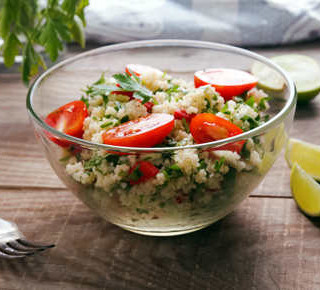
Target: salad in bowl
(164, 155)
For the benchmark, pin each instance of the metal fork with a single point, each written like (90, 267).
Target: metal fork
(13, 244)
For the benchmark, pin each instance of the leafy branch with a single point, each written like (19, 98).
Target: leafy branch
(24, 26)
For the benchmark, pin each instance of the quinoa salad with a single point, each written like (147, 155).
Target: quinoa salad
(145, 107)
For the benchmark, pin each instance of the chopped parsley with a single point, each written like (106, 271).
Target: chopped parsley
(173, 89)
(225, 110)
(113, 158)
(250, 102)
(93, 162)
(107, 124)
(132, 83)
(185, 125)
(203, 164)
(173, 171)
(85, 100)
(136, 174)
(245, 152)
(218, 164)
(124, 119)
(253, 123)
(262, 104)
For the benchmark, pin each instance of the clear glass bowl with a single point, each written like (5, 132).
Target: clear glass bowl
(181, 206)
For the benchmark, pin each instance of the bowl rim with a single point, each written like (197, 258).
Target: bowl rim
(272, 122)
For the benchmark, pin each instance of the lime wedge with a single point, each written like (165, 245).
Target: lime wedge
(304, 70)
(305, 191)
(306, 155)
(269, 79)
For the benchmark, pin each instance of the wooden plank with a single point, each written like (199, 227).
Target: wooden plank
(265, 244)
(22, 162)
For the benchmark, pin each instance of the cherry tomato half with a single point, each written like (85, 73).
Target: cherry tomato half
(182, 114)
(143, 132)
(68, 119)
(207, 127)
(141, 171)
(227, 82)
(139, 69)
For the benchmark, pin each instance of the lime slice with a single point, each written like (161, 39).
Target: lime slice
(269, 79)
(306, 155)
(305, 191)
(304, 70)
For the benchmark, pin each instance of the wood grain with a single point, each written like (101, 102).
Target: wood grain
(22, 162)
(265, 244)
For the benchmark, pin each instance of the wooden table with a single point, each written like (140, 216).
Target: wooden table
(265, 244)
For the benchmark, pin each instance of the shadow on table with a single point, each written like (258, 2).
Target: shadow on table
(308, 111)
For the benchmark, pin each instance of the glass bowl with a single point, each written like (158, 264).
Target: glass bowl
(182, 203)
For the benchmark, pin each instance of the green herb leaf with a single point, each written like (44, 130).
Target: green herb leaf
(173, 171)
(262, 104)
(132, 84)
(253, 123)
(107, 124)
(85, 100)
(185, 125)
(225, 109)
(136, 174)
(113, 158)
(173, 89)
(218, 164)
(49, 38)
(93, 162)
(203, 164)
(49, 27)
(245, 153)
(124, 119)
(11, 49)
(250, 102)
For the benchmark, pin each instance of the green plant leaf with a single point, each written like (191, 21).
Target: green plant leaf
(82, 4)
(10, 49)
(77, 31)
(70, 7)
(32, 60)
(7, 17)
(50, 40)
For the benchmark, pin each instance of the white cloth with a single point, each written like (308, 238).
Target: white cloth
(239, 22)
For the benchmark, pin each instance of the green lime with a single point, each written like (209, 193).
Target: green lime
(304, 70)
(305, 191)
(307, 155)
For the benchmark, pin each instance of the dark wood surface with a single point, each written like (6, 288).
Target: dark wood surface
(265, 244)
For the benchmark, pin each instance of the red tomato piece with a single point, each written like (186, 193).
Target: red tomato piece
(142, 171)
(139, 69)
(143, 132)
(149, 106)
(68, 119)
(182, 114)
(227, 82)
(129, 94)
(207, 127)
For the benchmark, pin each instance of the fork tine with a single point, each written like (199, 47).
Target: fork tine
(17, 246)
(4, 248)
(6, 256)
(32, 245)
